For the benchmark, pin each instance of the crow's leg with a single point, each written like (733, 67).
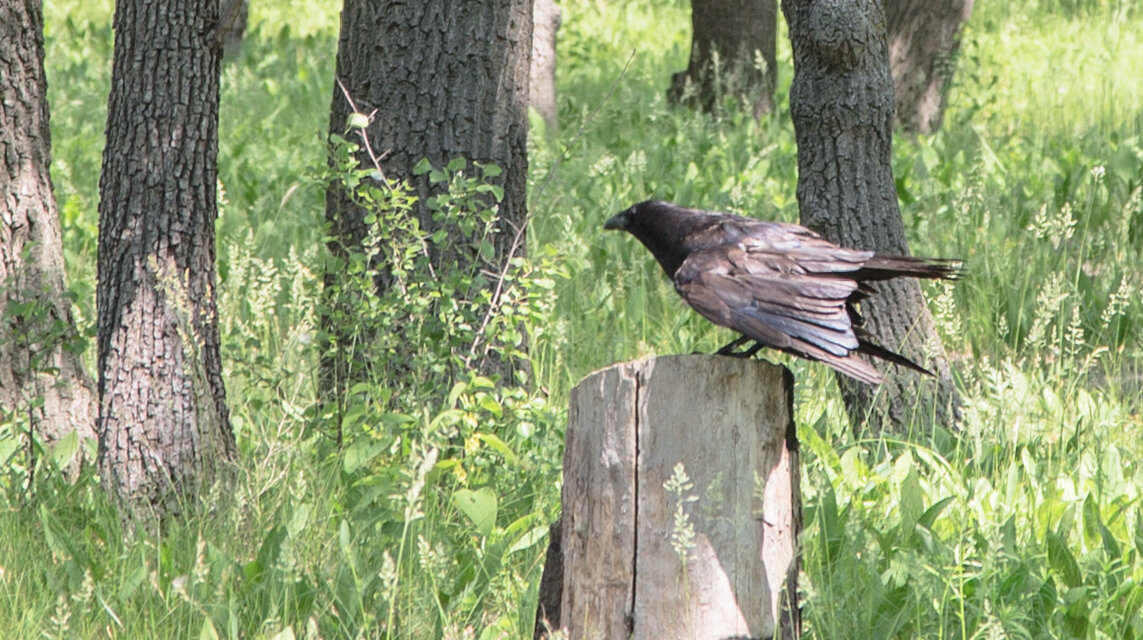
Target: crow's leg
(729, 349)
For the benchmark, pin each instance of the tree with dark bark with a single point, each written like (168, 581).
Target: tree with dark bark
(164, 426)
(41, 364)
(439, 80)
(924, 38)
(841, 102)
(726, 40)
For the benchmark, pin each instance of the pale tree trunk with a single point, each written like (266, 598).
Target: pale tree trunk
(739, 31)
(546, 24)
(41, 368)
(444, 79)
(924, 38)
(841, 102)
(233, 16)
(163, 422)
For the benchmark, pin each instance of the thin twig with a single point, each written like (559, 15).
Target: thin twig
(374, 158)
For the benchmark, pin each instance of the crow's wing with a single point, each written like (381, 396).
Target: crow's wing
(764, 291)
(789, 248)
(803, 251)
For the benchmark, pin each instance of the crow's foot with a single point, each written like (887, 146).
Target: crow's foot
(730, 349)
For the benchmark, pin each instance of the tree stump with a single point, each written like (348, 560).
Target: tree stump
(681, 509)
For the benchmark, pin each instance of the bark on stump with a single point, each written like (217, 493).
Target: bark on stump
(648, 554)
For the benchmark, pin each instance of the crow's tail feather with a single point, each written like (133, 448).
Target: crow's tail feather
(870, 349)
(884, 267)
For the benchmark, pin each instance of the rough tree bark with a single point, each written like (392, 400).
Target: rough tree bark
(841, 102)
(737, 30)
(164, 425)
(924, 38)
(443, 79)
(41, 368)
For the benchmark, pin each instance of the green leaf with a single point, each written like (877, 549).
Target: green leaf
(446, 418)
(284, 634)
(930, 515)
(479, 506)
(267, 554)
(357, 121)
(1137, 535)
(360, 452)
(64, 451)
(422, 167)
(529, 539)
(134, 579)
(456, 391)
(208, 632)
(830, 525)
(1093, 527)
(498, 445)
(1062, 561)
(343, 539)
(299, 518)
(912, 501)
(394, 419)
(489, 404)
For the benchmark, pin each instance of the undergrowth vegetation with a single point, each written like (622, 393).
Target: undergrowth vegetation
(429, 521)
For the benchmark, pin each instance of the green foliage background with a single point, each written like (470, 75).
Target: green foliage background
(1027, 523)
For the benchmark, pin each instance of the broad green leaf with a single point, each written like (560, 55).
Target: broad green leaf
(479, 506)
(299, 518)
(360, 452)
(498, 445)
(1062, 561)
(64, 450)
(930, 515)
(529, 539)
(912, 501)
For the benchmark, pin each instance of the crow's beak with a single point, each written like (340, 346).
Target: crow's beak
(618, 221)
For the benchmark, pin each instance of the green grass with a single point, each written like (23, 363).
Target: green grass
(1025, 523)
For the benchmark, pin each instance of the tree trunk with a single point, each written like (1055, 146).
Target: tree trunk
(841, 102)
(41, 368)
(542, 84)
(443, 79)
(163, 422)
(670, 530)
(924, 38)
(738, 30)
(233, 16)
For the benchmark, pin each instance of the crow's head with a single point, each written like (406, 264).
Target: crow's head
(663, 228)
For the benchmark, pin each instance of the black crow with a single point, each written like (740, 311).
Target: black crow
(779, 285)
